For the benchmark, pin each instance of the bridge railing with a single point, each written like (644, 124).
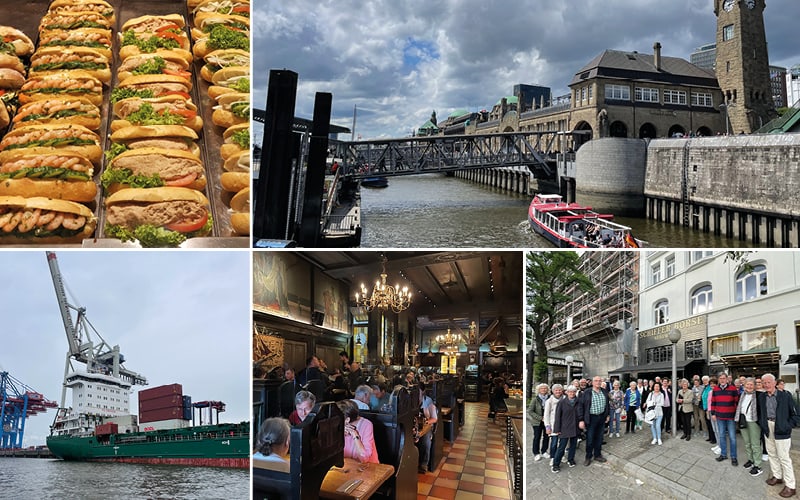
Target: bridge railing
(339, 224)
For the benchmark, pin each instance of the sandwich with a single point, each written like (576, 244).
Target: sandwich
(239, 8)
(153, 167)
(159, 84)
(62, 84)
(12, 71)
(240, 222)
(94, 38)
(177, 137)
(239, 162)
(166, 110)
(96, 6)
(64, 175)
(59, 110)
(50, 139)
(157, 217)
(204, 23)
(228, 80)
(44, 220)
(51, 60)
(225, 34)
(13, 41)
(74, 20)
(218, 59)
(161, 62)
(236, 139)
(147, 34)
(234, 181)
(231, 109)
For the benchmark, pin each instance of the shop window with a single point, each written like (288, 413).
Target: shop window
(702, 299)
(694, 349)
(751, 283)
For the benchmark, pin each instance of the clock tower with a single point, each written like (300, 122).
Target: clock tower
(742, 64)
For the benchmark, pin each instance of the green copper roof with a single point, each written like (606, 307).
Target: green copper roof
(459, 112)
(428, 125)
(789, 122)
(510, 99)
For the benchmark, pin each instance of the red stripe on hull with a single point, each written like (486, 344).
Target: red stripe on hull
(233, 463)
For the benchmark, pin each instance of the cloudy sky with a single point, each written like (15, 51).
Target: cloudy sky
(178, 317)
(399, 60)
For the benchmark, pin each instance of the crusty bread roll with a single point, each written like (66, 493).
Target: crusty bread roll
(23, 46)
(235, 181)
(241, 201)
(82, 191)
(51, 60)
(51, 139)
(240, 222)
(70, 222)
(64, 84)
(52, 111)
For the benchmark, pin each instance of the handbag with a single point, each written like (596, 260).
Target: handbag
(650, 415)
(639, 414)
(742, 418)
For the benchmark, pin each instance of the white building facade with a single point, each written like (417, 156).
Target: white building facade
(737, 311)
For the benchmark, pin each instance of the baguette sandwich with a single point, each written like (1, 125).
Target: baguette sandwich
(49, 139)
(157, 217)
(153, 167)
(44, 221)
(61, 175)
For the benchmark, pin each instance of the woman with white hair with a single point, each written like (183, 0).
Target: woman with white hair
(549, 415)
(540, 438)
(565, 427)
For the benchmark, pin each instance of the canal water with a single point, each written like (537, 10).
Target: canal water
(49, 478)
(434, 211)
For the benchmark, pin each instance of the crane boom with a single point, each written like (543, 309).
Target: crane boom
(86, 345)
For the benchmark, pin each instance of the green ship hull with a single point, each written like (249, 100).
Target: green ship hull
(222, 445)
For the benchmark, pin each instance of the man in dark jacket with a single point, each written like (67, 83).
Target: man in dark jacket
(593, 415)
(777, 415)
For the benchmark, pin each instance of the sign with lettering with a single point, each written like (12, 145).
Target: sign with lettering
(561, 362)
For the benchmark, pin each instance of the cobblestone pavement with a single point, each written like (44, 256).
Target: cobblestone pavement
(637, 469)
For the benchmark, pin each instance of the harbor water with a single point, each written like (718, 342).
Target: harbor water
(50, 478)
(434, 211)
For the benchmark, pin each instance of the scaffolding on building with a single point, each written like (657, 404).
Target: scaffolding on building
(610, 312)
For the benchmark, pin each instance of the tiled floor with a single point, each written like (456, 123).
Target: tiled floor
(475, 466)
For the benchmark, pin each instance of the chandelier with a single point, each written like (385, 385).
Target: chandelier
(448, 343)
(384, 296)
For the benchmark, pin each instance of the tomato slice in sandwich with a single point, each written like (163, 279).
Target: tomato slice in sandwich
(185, 95)
(182, 74)
(169, 34)
(182, 181)
(188, 226)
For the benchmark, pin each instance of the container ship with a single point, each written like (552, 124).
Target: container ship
(99, 426)
(164, 433)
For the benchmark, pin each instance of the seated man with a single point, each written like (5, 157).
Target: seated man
(304, 402)
(379, 397)
(361, 397)
(428, 410)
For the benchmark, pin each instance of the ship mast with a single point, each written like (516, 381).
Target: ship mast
(85, 343)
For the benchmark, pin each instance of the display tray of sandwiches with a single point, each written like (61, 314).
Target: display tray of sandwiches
(125, 123)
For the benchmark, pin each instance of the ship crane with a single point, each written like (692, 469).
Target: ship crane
(17, 403)
(104, 363)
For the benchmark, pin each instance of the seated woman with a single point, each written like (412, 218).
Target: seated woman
(304, 402)
(359, 440)
(272, 441)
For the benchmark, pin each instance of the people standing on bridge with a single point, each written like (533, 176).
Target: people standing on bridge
(617, 399)
(633, 400)
(593, 413)
(723, 409)
(549, 416)
(748, 407)
(777, 415)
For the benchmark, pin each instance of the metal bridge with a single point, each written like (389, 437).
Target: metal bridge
(443, 153)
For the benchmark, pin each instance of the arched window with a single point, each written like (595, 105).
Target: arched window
(751, 283)
(661, 312)
(701, 300)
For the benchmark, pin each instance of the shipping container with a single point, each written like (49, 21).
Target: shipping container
(106, 429)
(175, 423)
(172, 401)
(162, 414)
(160, 392)
(187, 407)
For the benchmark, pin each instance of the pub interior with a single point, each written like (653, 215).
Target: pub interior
(376, 382)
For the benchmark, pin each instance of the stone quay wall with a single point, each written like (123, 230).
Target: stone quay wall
(610, 175)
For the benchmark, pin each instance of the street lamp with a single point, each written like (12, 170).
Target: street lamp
(674, 337)
(727, 127)
(569, 359)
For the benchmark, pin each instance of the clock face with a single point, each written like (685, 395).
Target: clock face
(750, 4)
(728, 5)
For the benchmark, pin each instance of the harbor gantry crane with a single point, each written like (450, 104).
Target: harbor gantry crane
(104, 363)
(18, 403)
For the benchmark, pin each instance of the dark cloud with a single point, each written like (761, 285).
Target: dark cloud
(356, 50)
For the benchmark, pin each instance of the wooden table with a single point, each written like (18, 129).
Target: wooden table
(372, 476)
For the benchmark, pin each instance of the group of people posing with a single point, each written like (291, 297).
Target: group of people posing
(711, 407)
